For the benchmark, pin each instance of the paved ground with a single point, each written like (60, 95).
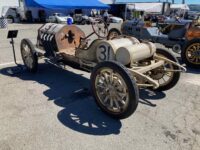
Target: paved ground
(43, 111)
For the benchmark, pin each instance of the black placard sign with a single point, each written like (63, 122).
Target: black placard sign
(12, 34)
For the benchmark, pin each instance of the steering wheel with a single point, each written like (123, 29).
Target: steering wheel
(100, 28)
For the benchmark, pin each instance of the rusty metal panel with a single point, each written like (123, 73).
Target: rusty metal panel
(59, 38)
(69, 38)
(193, 32)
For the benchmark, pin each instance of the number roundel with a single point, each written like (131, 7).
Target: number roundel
(104, 52)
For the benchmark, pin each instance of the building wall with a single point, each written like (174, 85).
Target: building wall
(8, 3)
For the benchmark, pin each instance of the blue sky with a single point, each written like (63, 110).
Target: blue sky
(176, 1)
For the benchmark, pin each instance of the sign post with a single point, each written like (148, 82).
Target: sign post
(11, 35)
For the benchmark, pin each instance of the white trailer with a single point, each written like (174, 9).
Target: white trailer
(8, 3)
(12, 10)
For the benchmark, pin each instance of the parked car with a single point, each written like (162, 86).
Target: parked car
(82, 19)
(59, 18)
(114, 19)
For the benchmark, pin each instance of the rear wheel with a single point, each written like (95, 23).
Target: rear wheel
(114, 90)
(165, 75)
(29, 55)
(191, 53)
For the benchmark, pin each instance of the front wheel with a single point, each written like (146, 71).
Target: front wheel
(114, 89)
(166, 76)
(29, 55)
(191, 53)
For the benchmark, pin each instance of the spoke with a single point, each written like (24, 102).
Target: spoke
(191, 50)
(101, 79)
(117, 104)
(106, 99)
(106, 77)
(111, 103)
(120, 100)
(101, 86)
(120, 87)
(194, 47)
(168, 74)
(158, 81)
(102, 93)
(114, 82)
(24, 53)
(26, 48)
(111, 77)
(197, 60)
(164, 80)
(121, 95)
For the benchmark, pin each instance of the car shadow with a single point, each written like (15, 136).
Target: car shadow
(189, 69)
(147, 96)
(193, 70)
(71, 92)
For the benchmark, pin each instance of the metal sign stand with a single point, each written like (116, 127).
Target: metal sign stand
(11, 35)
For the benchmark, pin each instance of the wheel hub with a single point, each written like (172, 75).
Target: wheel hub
(157, 75)
(112, 91)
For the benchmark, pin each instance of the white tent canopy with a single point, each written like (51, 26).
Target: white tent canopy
(147, 7)
(180, 6)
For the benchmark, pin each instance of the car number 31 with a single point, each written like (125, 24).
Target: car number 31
(104, 52)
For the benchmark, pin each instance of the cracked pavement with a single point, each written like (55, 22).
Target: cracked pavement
(43, 111)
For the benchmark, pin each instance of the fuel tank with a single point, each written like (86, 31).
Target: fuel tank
(134, 53)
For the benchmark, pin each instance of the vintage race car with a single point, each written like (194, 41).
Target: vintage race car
(118, 67)
(181, 36)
